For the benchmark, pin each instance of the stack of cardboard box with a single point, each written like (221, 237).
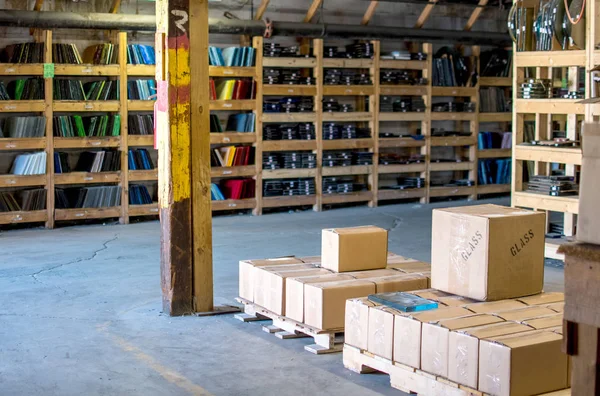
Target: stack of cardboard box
(493, 330)
(313, 290)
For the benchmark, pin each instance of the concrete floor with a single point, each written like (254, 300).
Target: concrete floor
(80, 310)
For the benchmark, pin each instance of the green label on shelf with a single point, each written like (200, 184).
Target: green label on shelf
(48, 70)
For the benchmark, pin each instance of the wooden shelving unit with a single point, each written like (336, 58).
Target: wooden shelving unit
(50, 144)
(568, 113)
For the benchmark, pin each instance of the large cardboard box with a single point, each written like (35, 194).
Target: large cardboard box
(246, 278)
(545, 322)
(543, 298)
(270, 285)
(496, 306)
(588, 226)
(381, 331)
(294, 292)
(356, 324)
(325, 303)
(463, 349)
(407, 332)
(398, 283)
(488, 252)
(435, 338)
(530, 312)
(354, 248)
(522, 364)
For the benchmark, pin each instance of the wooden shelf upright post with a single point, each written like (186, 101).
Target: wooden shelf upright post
(48, 113)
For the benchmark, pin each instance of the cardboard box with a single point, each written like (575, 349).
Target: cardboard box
(530, 363)
(488, 252)
(434, 340)
(496, 306)
(545, 322)
(407, 332)
(557, 307)
(398, 283)
(381, 331)
(411, 267)
(356, 325)
(270, 292)
(530, 312)
(294, 292)
(378, 273)
(463, 349)
(246, 278)
(588, 226)
(354, 248)
(325, 303)
(543, 298)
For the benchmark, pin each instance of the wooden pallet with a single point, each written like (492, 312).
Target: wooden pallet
(326, 341)
(410, 380)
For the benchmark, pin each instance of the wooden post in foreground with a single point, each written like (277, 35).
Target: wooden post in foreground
(182, 128)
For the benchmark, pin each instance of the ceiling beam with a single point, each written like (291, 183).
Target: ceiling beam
(115, 6)
(369, 13)
(261, 9)
(312, 10)
(475, 15)
(425, 14)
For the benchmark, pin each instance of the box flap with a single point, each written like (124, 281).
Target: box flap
(319, 278)
(364, 301)
(543, 298)
(275, 261)
(341, 284)
(378, 273)
(530, 312)
(545, 322)
(495, 330)
(455, 301)
(469, 321)
(430, 294)
(357, 230)
(487, 211)
(525, 339)
(557, 307)
(591, 140)
(495, 306)
(441, 313)
(286, 267)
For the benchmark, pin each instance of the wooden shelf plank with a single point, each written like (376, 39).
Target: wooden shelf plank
(545, 202)
(358, 196)
(454, 91)
(450, 191)
(22, 106)
(232, 137)
(289, 62)
(140, 105)
(493, 188)
(451, 166)
(401, 116)
(451, 116)
(230, 71)
(86, 70)
(85, 214)
(407, 168)
(233, 204)
(92, 105)
(35, 216)
(401, 142)
(22, 143)
(550, 58)
(143, 175)
(144, 210)
(399, 90)
(549, 106)
(289, 117)
(288, 173)
(495, 117)
(348, 63)
(356, 116)
(86, 177)
(141, 70)
(87, 142)
(348, 90)
(494, 153)
(277, 202)
(140, 140)
(441, 141)
(20, 69)
(346, 170)
(383, 195)
(246, 104)
(233, 171)
(402, 64)
(288, 145)
(289, 90)
(495, 81)
(559, 155)
(341, 144)
(22, 180)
